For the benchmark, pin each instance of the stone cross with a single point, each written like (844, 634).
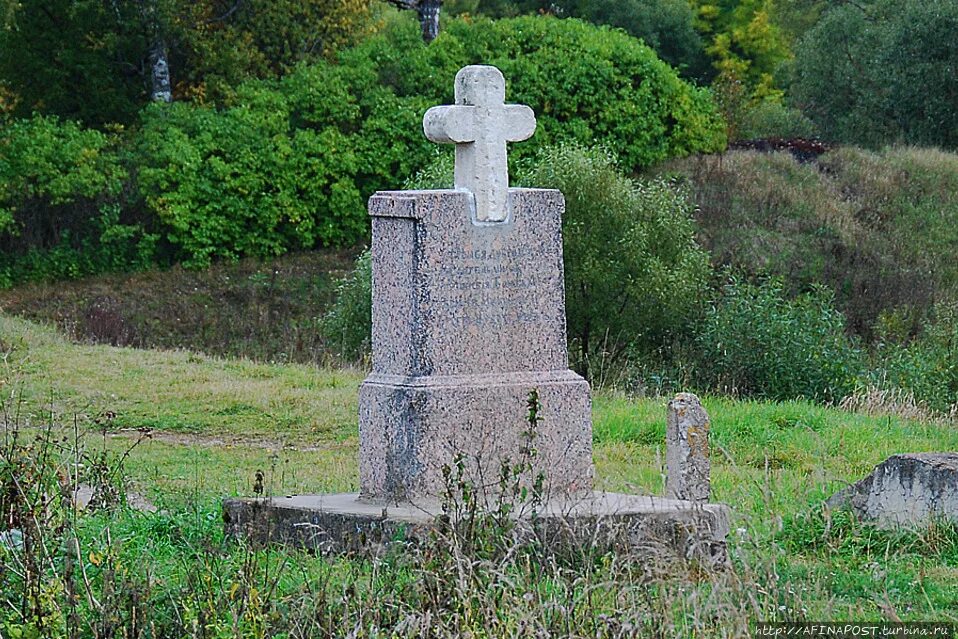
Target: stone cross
(480, 124)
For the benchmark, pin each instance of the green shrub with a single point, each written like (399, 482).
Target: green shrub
(879, 229)
(665, 25)
(244, 182)
(755, 341)
(771, 119)
(928, 366)
(634, 275)
(588, 84)
(290, 163)
(347, 326)
(61, 200)
(881, 72)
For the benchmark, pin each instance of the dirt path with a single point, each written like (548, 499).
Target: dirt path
(222, 441)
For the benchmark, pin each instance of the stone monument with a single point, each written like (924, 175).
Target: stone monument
(469, 317)
(468, 324)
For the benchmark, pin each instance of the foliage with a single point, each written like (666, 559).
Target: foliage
(89, 60)
(771, 119)
(60, 197)
(927, 367)
(634, 274)
(756, 341)
(218, 44)
(744, 42)
(628, 247)
(290, 164)
(881, 72)
(586, 84)
(243, 182)
(78, 59)
(347, 325)
(665, 25)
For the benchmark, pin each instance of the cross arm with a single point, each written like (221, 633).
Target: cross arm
(521, 122)
(450, 124)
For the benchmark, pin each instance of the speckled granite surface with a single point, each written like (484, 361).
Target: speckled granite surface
(468, 318)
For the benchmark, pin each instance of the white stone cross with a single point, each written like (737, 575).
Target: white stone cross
(480, 124)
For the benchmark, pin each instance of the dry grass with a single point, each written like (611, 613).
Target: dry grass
(880, 229)
(261, 310)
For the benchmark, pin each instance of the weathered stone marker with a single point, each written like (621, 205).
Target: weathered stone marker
(687, 450)
(469, 317)
(468, 320)
(906, 491)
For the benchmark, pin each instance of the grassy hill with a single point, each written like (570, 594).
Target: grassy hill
(878, 228)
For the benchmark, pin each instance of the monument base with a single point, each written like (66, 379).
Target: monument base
(338, 523)
(411, 428)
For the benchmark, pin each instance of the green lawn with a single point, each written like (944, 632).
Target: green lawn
(216, 422)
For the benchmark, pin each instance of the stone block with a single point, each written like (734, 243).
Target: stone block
(906, 490)
(346, 523)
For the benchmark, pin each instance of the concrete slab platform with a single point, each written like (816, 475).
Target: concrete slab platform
(336, 523)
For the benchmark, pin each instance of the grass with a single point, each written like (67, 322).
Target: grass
(178, 391)
(217, 422)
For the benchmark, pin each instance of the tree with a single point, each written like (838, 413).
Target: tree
(744, 42)
(80, 59)
(665, 25)
(881, 72)
(634, 274)
(99, 61)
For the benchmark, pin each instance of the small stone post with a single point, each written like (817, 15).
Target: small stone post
(687, 450)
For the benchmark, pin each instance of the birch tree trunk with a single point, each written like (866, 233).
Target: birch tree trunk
(162, 89)
(428, 11)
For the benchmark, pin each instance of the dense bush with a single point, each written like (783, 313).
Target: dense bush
(245, 182)
(927, 367)
(289, 164)
(634, 274)
(665, 25)
(91, 60)
(587, 84)
(755, 341)
(881, 72)
(745, 41)
(60, 204)
(347, 325)
(771, 119)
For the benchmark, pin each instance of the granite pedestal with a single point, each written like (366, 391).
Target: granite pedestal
(344, 523)
(468, 320)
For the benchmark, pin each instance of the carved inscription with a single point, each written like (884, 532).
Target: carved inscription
(488, 289)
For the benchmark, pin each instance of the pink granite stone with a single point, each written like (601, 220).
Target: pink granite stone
(468, 319)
